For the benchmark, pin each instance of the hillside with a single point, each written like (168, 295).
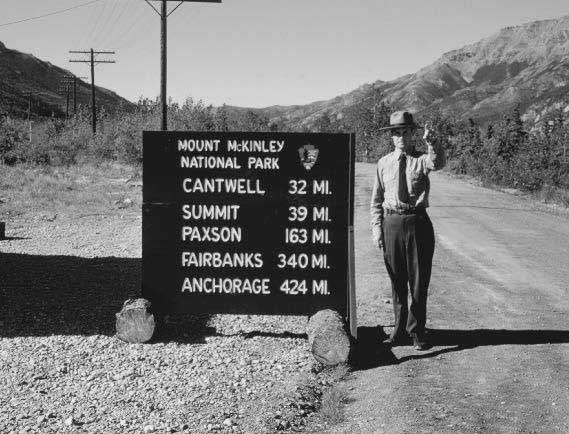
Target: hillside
(22, 74)
(526, 65)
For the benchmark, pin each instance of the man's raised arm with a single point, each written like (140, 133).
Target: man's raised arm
(435, 157)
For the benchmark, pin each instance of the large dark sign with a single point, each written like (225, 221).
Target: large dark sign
(247, 222)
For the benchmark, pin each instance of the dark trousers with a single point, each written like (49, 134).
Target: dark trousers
(409, 244)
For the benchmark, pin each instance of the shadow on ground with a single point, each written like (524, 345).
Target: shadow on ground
(369, 352)
(69, 295)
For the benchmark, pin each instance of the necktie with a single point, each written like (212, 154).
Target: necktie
(402, 192)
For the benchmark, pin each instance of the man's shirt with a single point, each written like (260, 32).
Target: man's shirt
(386, 184)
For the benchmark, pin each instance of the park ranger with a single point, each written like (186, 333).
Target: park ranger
(401, 226)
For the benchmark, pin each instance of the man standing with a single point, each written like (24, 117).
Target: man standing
(401, 226)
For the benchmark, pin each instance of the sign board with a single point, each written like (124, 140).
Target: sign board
(255, 223)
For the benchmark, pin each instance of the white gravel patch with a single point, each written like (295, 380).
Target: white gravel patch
(62, 370)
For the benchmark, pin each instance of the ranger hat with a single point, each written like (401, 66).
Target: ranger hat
(401, 119)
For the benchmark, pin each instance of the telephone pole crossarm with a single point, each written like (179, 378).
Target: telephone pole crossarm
(95, 61)
(177, 6)
(152, 6)
(89, 52)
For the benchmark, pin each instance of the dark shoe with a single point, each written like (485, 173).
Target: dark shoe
(396, 341)
(420, 343)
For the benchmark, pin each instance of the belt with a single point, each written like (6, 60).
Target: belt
(410, 211)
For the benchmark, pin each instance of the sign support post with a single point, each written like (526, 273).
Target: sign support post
(163, 65)
(352, 305)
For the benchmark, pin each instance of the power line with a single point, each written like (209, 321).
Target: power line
(49, 14)
(86, 39)
(98, 22)
(140, 20)
(105, 26)
(110, 35)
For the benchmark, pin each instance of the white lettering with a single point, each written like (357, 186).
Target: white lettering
(266, 163)
(209, 285)
(198, 145)
(208, 162)
(321, 187)
(210, 212)
(213, 234)
(222, 185)
(273, 146)
(222, 260)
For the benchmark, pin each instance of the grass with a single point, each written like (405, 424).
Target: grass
(332, 406)
(549, 199)
(334, 396)
(553, 195)
(75, 190)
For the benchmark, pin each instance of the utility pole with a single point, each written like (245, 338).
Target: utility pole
(72, 79)
(164, 14)
(93, 62)
(64, 87)
(30, 115)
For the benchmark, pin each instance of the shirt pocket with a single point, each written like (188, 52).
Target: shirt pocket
(418, 183)
(390, 181)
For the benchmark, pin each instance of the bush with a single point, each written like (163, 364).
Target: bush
(12, 134)
(510, 156)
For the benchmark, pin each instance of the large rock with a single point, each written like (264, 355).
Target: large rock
(135, 324)
(327, 337)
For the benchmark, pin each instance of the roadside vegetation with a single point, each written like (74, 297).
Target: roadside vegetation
(66, 142)
(506, 153)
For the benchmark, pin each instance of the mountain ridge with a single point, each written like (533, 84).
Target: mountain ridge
(524, 66)
(23, 74)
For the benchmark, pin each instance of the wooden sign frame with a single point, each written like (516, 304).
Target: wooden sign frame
(260, 223)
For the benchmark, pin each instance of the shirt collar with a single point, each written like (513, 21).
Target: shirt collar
(397, 152)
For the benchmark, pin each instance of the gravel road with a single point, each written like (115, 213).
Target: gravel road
(64, 273)
(498, 311)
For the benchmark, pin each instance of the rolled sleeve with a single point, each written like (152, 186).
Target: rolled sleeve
(376, 205)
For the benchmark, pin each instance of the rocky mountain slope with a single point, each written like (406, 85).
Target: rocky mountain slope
(526, 65)
(23, 74)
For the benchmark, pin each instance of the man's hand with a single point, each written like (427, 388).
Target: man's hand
(429, 135)
(378, 239)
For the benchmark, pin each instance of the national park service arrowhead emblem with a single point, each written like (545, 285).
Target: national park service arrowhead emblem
(308, 155)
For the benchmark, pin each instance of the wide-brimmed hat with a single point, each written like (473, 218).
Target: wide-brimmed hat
(401, 119)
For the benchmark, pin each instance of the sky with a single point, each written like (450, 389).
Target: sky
(257, 53)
